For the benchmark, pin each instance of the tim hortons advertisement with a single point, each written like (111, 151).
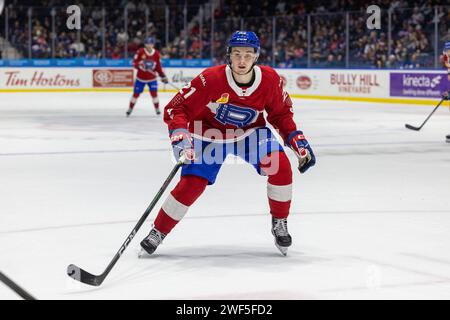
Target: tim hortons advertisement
(112, 78)
(58, 78)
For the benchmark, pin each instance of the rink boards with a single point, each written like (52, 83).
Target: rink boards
(387, 86)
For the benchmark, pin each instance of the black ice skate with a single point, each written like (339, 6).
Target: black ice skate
(282, 238)
(130, 110)
(151, 242)
(158, 112)
(447, 138)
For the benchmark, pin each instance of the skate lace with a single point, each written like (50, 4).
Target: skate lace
(156, 237)
(280, 227)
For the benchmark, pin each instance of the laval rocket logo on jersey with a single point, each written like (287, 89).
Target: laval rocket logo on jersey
(149, 64)
(227, 113)
(2, 4)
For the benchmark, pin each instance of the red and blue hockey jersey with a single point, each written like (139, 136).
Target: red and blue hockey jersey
(148, 65)
(213, 106)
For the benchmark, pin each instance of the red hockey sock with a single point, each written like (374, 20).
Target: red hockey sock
(279, 184)
(155, 99)
(188, 189)
(133, 100)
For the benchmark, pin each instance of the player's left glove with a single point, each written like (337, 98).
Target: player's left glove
(298, 143)
(164, 79)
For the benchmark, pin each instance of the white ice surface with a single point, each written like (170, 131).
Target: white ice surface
(370, 221)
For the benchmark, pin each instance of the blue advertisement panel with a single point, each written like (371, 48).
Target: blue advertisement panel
(117, 63)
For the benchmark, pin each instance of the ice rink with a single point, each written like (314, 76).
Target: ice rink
(370, 221)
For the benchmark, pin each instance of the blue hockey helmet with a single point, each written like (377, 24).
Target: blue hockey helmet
(150, 40)
(244, 39)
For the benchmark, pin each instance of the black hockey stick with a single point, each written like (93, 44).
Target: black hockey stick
(15, 287)
(83, 276)
(408, 126)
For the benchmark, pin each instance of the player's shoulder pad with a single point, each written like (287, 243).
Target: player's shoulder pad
(269, 72)
(209, 75)
(140, 51)
(270, 75)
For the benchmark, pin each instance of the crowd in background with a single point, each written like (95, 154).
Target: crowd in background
(282, 27)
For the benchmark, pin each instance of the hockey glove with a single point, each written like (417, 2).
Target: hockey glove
(182, 144)
(164, 79)
(298, 143)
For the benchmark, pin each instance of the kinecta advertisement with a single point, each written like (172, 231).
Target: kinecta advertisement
(423, 85)
(325, 83)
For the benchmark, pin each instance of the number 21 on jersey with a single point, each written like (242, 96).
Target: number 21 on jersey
(189, 93)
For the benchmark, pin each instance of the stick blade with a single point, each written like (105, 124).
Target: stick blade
(79, 274)
(408, 126)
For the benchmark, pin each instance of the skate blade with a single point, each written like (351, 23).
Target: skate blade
(283, 250)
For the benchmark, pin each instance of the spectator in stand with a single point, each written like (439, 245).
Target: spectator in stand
(411, 45)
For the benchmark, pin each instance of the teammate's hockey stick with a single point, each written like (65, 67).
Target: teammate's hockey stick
(15, 287)
(408, 126)
(83, 276)
(173, 86)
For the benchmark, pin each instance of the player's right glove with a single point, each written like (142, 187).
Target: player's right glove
(164, 79)
(182, 144)
(299, 144)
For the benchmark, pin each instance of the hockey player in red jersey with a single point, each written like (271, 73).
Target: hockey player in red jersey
(446, 62)
(148, 64)
(220, 112)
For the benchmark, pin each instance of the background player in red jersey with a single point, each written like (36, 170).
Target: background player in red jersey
(148, 64)
(220, 112)
(446, 62)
